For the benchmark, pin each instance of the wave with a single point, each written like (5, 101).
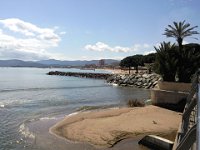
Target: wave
(87, 108)
(2, 105)
(47, 88)
(24, 130)
(72, 114)
(11, 103)
(48, 118)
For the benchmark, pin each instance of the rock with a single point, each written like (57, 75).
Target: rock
(126, 80)
(82, 75)
(140, 79)
(139, 83)
(110, 79)
(123, 77)
(131, 82)
(145, 76)
(149, 85)
(134, 80)
(148, 80)
(120, 82)
(137, 76)
(155, 83)
(145, 84)
(143, 80)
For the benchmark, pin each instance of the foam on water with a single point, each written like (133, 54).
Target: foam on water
(72, 114)
(5, 103)
(115, 84)
(24, 130)
(2, 106)
(48, 118)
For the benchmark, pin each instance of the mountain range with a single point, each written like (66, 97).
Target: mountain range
(52, 63)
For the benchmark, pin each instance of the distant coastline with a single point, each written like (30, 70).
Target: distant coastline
(52, 63)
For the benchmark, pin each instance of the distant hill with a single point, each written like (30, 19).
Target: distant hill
(19, 63)
(51, 63)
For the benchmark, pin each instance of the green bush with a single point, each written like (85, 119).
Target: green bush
(135, 103)
(188, 62)
(166, 61)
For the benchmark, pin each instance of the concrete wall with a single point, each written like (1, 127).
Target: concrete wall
(166, 97)
(169, 92)
(174, 86)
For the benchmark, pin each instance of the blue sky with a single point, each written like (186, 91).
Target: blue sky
(88, 29)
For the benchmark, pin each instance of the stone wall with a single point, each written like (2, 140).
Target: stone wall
(133, 80)
(138, 80)
(81, 75)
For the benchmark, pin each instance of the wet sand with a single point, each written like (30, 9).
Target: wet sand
(46, 141)
(105, 128)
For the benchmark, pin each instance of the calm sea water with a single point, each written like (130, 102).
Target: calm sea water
(29, 97)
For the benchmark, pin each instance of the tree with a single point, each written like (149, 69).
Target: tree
(132, 61)
(179, 31)
(189, 62)
(126, 62)
(149, 61)
(166, 61)
(150, 58)
(137, 60)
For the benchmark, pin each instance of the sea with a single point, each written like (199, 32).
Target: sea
(32, 101)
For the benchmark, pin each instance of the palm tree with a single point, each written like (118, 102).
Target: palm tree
(180, 31)
(166, 61)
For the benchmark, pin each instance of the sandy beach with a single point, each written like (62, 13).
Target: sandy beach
(104, 128)
(117, 71)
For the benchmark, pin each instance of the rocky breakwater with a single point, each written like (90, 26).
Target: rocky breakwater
(82, 75)
(138, 80)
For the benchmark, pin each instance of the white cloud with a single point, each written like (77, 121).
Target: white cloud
(62, 33)
(32, 43)
(185, 42)
(100, 46)
(149, 52)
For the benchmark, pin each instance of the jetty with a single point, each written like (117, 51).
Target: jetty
(104, 76)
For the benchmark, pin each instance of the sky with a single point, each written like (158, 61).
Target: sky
(89, 29)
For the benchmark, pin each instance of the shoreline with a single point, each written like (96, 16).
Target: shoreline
(105, 128)
(116, 71)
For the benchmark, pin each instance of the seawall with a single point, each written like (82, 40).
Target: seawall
(147, 81)
(137, 80)
(81, 75)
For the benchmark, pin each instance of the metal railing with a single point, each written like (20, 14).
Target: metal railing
(189, 131)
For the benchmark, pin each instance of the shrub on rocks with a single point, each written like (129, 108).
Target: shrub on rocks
(135, 103)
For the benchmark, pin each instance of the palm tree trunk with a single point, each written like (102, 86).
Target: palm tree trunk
(180, 43)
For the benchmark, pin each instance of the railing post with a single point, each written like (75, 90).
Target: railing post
(198, 115)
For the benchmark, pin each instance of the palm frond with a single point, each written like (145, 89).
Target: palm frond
(180, 30)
